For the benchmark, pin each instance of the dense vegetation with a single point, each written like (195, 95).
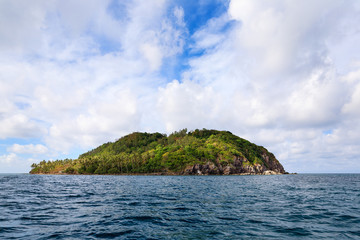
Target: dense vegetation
(143, 153)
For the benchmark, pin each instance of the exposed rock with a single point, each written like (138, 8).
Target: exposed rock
(203, 169)
(240, 166)
(199, 152)
(270, 172)
(228, 170)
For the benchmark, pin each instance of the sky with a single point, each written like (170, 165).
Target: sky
(280, 73)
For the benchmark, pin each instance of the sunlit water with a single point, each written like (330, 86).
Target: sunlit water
(180, 207)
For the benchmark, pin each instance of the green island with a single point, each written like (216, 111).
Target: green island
(198, 152)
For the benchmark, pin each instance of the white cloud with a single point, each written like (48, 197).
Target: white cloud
(8, 158)
(28, 149)
(113, 116)
(19, 126)
(153, 54)
(22, 26)
(283, 36)
(280, 73)
(186, 105)
(352, 107)
(73, 94)
(317, 101)
(273, 79)
(179, 14)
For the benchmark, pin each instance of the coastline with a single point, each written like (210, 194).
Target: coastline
(166, 174)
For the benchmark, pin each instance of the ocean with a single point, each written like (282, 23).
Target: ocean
(302, 206)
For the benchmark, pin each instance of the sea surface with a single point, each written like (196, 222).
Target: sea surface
(303, 206)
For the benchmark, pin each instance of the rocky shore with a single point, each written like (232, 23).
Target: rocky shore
(241, 166)
(199, 152)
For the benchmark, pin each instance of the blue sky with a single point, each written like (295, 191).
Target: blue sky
(282, 74)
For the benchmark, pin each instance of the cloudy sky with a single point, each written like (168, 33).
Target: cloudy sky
(282, 74)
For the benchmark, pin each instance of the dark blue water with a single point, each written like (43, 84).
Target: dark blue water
(180, 207)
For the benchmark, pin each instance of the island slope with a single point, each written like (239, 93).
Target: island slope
(199, 152)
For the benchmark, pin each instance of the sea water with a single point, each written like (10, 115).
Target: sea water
(180, 207)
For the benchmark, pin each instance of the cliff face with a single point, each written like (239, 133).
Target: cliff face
(200, 152)
(240, 166)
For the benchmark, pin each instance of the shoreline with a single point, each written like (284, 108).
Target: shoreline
(166, 174)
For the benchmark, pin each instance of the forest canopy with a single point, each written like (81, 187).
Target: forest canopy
(146, 153)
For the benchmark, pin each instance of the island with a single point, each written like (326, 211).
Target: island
(198, 152)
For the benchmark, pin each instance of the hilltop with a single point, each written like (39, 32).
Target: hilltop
(199, 152)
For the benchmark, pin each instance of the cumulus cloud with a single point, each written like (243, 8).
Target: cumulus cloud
(8, 158)
(19, 126)
(273, 79)
(153, 54)
(353, 105)
(113, 116)
(279, 73)
(71, 91)
(28, 149)
(186, 105)
(24, 20)
(283, 36)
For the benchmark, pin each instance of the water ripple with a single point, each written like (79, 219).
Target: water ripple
(180, 207)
